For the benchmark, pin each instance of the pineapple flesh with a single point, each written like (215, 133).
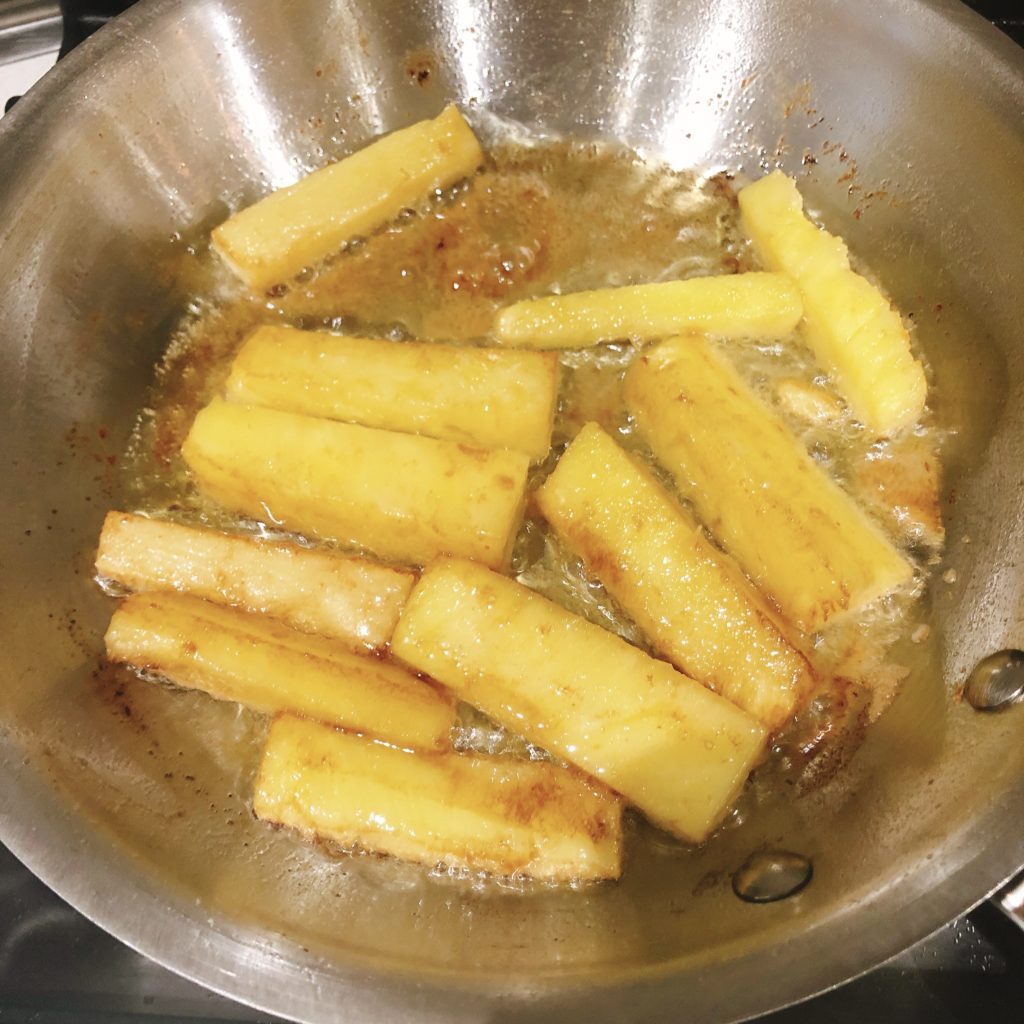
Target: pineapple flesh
(808, 402)
(675, 749)
(798, 535)
(691, 601)
(477, 396)
(269, 667)
(465, 811)
(403, 497)
(296, 227)
(755, 305)
(316, 591)
(855, 334)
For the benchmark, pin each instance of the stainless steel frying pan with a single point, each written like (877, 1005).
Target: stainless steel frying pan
(905, 121)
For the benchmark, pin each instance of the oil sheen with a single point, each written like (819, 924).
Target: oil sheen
(555, 217)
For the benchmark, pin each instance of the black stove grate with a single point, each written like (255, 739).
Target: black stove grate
(1005, 14)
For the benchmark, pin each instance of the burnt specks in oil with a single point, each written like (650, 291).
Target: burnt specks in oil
(421, 68)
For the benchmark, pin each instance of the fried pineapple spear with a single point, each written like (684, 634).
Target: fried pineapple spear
(690, 599)
(495, 814)
(476, 396)
(295, 227)
(678, 751)
(802, 539)
(855, 334)
(393, 448)
(755, 305)
(350, 599)
(901, 484)
(405, 498)
(265, 665)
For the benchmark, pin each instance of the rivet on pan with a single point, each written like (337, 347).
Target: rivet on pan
(772, 875)
(997, 681)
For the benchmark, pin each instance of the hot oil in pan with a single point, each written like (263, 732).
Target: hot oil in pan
(551, 217)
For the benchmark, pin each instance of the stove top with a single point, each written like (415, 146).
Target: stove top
(56, 967)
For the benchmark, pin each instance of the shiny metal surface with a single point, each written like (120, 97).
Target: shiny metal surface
(18, 15)
(141, 141)
(770, 875)
(997, 682)
(1010, 900)
(29, 40)
(58, 968)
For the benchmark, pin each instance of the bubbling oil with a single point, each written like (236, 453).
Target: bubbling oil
(557, 217)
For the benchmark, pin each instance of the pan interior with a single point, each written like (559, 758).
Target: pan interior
(905, 131)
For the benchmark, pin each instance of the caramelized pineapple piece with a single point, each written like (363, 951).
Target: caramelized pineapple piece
(296, 227)
(900, 481)
(855, 334)
(690, 600)
(267, 666)
(678, 751)
(485, 397)
(733, 305)
(495, 814)
(347, 598)
(403, 497)
(792, 529)
(808, 402)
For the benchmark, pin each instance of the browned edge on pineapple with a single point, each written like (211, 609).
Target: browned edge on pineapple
(269, 667)
(487, 397)
(798, 535)
(690, 600)
(269, 242)
(501, 815)
(317, 591)
(403, 497)
(582, 693)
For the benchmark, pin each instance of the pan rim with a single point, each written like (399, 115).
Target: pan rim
(208, 961)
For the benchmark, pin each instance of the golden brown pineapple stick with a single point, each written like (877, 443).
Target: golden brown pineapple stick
(270, 668)
(495, 814)
(324, 592)
(902, 486)
(295, 227)
(753, 305)
(403, 497)
(691, 600)
(792, 529)
(855, 334)
(486, 397)
(678, 751)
